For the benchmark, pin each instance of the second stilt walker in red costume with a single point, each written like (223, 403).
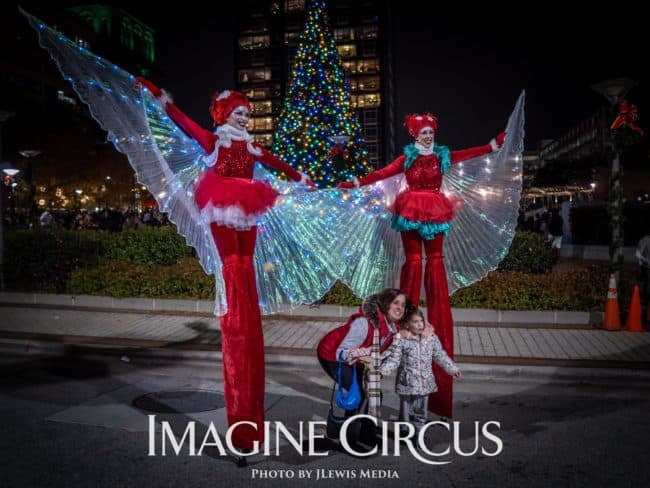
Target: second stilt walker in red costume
(422, 214)
(231, 202)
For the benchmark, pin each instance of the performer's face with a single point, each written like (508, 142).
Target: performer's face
(396, 308)
(425, 136)
(238, 118)
(415, 324)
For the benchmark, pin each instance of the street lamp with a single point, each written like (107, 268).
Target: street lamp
(614, 90)
(79, 192)
(10, 171)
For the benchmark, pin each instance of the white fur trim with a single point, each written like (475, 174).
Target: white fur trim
(232, 216)
(423, 151)
(303, 178)
(493, 145)
(165, 98)
(356, 182)
(226, 134)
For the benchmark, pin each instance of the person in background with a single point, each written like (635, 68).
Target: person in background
(643, 258)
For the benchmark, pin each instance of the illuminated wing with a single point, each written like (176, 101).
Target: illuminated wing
(490, 188)
(293, 262)
(480, 235)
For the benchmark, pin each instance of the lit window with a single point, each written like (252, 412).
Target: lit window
(257, 93)
(261, 123)
(261, 108)
(366, 101)
(368, 83)
(344, 34)
(367, 32)
(347, 50)
(254, 42)
(264, 139)
(258, 74)
(291, 37)
(294, 5)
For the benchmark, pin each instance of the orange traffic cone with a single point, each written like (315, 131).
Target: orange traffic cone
(634, 312)
(612, 315)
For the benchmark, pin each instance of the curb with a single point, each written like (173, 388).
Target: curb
(474, 368)
(205, 308)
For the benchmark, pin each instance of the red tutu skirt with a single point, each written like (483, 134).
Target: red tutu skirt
(425, 206)
(234, 202)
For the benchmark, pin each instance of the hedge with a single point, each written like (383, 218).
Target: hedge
(156, 263)
(43, 260)
(530, 252)
(185, 279)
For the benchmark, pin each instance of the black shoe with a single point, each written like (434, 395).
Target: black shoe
(242, 461)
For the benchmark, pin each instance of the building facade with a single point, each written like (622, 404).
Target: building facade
(68, 152)
(267, 35)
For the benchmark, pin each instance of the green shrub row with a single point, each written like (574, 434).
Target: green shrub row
(150, 245)
(157, 263)
(185, 279)
(580, 289)
(44, 259)
(530, 252)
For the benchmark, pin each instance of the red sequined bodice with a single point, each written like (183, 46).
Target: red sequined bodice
(424, 173)
(235, 161)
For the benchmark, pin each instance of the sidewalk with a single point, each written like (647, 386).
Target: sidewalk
(530, 342)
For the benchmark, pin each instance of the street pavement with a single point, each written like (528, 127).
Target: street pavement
(78, 386)
(290, 338)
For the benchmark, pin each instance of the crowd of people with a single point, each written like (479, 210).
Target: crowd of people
(112, 220)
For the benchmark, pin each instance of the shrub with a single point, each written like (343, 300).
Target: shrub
(529, 252)
(126, 279)
(148, 246)
(44, 259)
(572, 288)
(340, 294)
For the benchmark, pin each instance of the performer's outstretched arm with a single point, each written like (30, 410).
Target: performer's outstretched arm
(271, 160)
(474, 152)
(392, 169)
(204, 137)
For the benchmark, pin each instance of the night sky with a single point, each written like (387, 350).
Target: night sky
(467, 68)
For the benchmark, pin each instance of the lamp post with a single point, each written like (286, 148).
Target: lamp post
(4, 117)
(614, 90)
(29, 155)
(6, 170)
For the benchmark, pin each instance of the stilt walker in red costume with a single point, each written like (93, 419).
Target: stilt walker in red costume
(422, 214)
(231, 201)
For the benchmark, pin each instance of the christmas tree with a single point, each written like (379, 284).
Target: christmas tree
(318, 131)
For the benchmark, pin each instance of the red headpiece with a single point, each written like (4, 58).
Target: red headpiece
(224, 103)
(416, 122)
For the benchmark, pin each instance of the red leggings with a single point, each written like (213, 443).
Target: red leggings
(242, 340)
(411, 275)
(438, 306)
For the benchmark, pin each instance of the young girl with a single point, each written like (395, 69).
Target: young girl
(411, 353)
